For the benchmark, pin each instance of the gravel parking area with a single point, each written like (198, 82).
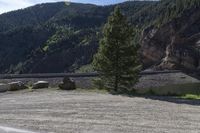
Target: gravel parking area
(54, 111)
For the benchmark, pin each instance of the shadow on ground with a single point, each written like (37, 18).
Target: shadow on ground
(175, 100)
(171, 99)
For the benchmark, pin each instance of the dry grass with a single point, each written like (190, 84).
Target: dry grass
(191, 96)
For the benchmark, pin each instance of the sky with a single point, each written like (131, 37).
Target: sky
(9, 5)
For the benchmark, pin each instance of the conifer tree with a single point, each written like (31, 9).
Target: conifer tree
(117, 58)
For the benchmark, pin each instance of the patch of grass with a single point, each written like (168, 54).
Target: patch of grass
(191, 96)
(85, 69)
(172, 90)
(45, 48)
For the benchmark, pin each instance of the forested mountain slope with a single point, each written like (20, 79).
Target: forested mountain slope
(57, 37)
(54, 37)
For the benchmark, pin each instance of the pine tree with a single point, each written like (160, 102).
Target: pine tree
(117, 58)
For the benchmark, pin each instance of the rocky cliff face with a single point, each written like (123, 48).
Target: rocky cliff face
(174, 45)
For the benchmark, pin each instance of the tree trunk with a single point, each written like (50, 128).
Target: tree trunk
(116, 83)
(117, 69)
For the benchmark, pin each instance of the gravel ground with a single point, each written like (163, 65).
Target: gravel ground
(54, 111)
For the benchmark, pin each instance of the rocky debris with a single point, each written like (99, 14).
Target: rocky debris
(41, 84)
(14, 86)
(4, 87)
(174, 45)
(67, 84)
(168, 84)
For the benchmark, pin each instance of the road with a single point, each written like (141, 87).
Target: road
(72, 75)
(13, 130)
(54, 111)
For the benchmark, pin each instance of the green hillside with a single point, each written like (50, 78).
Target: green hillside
(56, 37)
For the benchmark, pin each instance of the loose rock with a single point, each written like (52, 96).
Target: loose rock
(41, 84)
(4, 87)
(14, 86)
(67, 84)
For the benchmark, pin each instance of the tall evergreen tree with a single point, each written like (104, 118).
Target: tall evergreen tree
(117, 58)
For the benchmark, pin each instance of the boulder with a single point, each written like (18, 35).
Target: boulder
(14, 86)
(41, 84)
(4, 87)
(67, 84)
(66, 80)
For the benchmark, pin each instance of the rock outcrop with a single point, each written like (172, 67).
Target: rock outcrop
(175, 45)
